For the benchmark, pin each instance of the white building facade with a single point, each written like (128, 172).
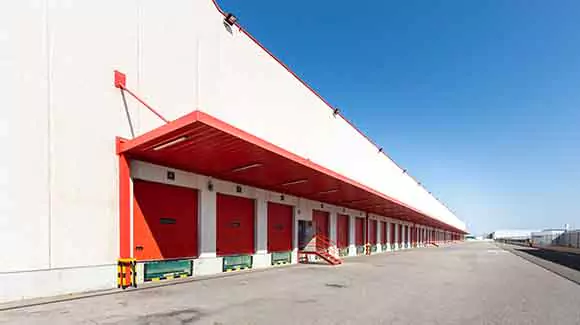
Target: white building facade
(89, 174)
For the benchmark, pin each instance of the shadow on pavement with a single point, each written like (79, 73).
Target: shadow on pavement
(570, 260)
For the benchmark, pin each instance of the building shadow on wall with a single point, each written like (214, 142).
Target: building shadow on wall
(567, 259)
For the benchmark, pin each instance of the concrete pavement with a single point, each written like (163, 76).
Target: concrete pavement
(565, 264)
(469, 283)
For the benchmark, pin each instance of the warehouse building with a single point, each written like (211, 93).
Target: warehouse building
(165, 133)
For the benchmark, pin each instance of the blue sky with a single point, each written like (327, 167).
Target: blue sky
(479, 100)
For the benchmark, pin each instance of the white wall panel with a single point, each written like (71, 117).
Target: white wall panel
(168, 57)
(24, 105)
(87, 114)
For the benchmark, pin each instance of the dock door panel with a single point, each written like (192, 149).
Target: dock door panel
(164, 221)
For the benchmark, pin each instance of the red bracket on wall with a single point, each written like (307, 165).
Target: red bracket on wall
(121, 83)
(120, 80)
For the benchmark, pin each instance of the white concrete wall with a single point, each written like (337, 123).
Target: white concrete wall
(59, 115)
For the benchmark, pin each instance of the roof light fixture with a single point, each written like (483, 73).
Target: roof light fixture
(329, 191)
(298, 181)
(170, 143)
(355, 201)
(246, 167)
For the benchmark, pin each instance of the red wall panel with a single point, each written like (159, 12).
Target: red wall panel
(359, 231)
(342, 230)
(165, 221)
(235, 225)
(280, 227)
(372, 231)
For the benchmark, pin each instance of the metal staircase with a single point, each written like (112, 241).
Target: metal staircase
(321, 247)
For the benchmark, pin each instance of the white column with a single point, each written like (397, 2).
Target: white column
(379, 236)
(295, 235)
(207, 263)
(332, 225)
(207, 224)
(351, 230)
(388, 236)
(397, 235)
(261, 224)
(261, 258)
(419, 235)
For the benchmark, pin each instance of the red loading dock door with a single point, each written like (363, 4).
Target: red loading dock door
(164, 221)
(321, 225)
(400, 234)
(383, 232)
(359, 231)
(372, 232)
(392, 234)
(280, 227)
(235, 225)
(342, 230)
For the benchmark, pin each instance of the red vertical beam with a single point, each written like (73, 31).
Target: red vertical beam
(124, 206)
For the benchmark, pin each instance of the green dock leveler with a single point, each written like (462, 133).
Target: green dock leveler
(343, 251)
(374, 248)
(237, 263)
(281, 258)
(167, 270)
(360, 250)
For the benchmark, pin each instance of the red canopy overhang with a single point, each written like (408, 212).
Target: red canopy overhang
(200, 143)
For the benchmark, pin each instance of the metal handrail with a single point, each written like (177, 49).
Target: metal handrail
(327, 245)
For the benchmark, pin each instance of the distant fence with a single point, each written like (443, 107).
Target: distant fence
(521, 242)
(568, 239)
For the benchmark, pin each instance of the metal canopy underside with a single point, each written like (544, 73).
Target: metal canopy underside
(200, 143)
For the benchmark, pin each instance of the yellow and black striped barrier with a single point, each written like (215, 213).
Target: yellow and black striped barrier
(368, 249)
(126, 274)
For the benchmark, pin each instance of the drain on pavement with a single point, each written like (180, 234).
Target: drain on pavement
(335, 285)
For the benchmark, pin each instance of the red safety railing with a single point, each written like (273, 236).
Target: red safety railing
(322, 247)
